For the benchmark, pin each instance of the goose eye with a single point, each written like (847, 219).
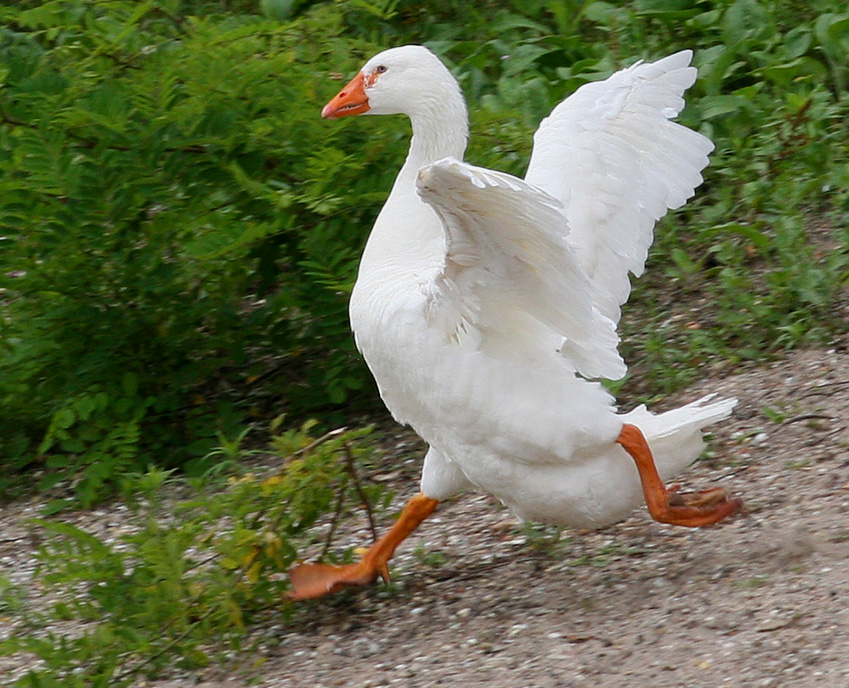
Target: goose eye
(381, 69)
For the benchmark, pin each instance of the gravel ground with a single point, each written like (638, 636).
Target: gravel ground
(478, 600)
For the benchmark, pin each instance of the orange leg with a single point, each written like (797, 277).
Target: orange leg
(691, 509)
(317, 580)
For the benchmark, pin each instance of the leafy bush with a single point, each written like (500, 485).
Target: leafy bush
(176, 225)
(180, 231)
(182, 586)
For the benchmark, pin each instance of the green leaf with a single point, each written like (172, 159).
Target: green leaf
(64, 418)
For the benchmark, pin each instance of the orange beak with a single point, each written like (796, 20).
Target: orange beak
(351, 100)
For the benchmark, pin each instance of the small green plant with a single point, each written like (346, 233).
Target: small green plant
(188, 579)
(429, 558)
(11, 597)
(775, 415)
(753, 582)
(543, 538)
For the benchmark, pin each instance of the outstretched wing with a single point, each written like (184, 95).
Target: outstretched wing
(610, 154)
(511, 280)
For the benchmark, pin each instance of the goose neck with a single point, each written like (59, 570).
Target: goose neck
(439, 132)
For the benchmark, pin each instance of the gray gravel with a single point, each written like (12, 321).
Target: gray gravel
(761, 600)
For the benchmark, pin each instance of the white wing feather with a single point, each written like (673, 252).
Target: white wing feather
(510, 274)
(610, 154)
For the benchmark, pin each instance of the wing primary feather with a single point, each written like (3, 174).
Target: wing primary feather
(611, 154)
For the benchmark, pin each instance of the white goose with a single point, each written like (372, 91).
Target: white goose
(486, 305)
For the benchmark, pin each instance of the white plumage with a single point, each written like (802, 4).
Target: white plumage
(611, 154)
(486, 306)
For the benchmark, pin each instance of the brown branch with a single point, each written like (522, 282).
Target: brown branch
(807, 416)
(11, 121)
(161, 652)
(340, 500)
(326, 437)
(349, 456)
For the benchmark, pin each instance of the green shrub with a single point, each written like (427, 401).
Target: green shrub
(177, 223)
(180, 587)
(179, 231)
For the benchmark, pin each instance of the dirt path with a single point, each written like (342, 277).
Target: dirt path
(762, 600)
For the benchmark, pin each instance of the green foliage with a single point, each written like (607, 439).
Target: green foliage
(180, 588)
(11, 597)
(172, 230)
(179, 231)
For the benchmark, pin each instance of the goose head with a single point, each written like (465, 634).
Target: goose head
(408, 80)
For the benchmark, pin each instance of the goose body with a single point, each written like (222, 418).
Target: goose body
(486, 305)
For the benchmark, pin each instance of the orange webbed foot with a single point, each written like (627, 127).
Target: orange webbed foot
(317, 580)
(668, 505)
(695, 509)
